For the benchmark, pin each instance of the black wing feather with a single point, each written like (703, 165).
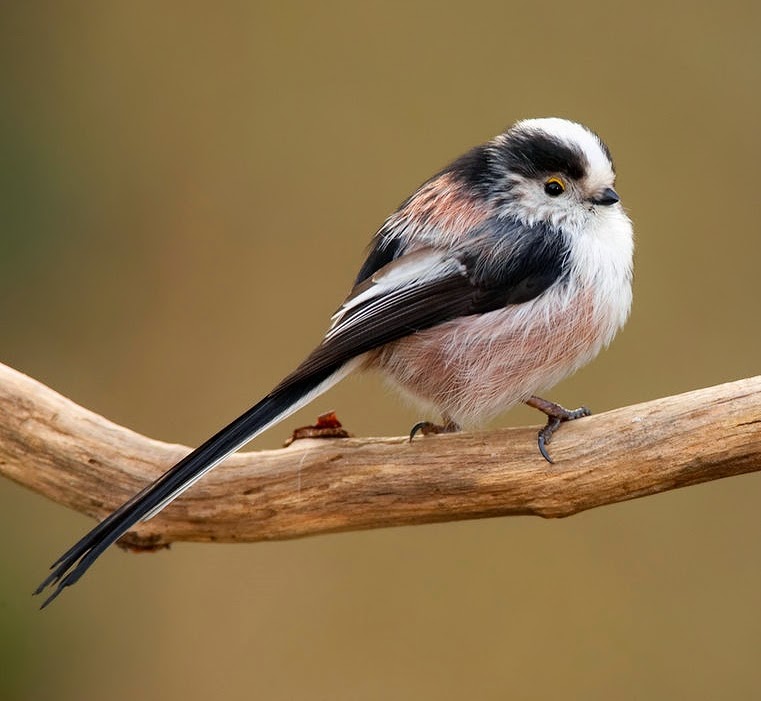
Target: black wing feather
(383, 249)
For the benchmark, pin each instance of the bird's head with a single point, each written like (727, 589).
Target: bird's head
(554, 171)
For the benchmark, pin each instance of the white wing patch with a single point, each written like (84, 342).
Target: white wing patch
(390, 284)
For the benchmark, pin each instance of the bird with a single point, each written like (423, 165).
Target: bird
(498, 277)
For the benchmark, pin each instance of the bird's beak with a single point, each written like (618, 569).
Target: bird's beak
(607, 197)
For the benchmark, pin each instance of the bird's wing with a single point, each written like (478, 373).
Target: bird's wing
(414, 291)
(410, 294)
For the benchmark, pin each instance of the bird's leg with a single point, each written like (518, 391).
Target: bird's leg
(556, 415)
(428, 427)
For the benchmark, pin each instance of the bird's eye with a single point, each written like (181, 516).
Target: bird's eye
(554, 187)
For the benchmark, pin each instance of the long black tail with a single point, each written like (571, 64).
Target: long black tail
(293, 393)
(434, 287)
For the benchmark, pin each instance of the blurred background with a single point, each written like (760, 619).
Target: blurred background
(186, 191)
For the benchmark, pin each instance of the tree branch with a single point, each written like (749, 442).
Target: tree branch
(79, 459)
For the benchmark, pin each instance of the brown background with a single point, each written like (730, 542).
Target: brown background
(185, 195)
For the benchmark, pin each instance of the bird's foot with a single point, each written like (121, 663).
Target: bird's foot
(428, 427)
(556, 415)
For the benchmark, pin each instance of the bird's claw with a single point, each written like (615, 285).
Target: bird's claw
(428, 427)
(545, 436)
(556, 415)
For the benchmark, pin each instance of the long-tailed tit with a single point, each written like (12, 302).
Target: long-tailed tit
(497, 278)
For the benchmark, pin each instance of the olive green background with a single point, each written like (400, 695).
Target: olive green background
(186, 191)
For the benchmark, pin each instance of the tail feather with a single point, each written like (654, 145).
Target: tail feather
(292, 394)
(419, 291)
